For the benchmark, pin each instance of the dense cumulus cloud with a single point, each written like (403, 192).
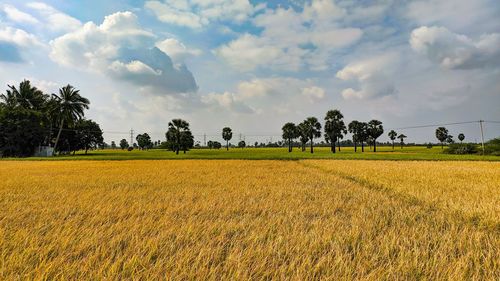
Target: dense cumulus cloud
(121, 48)
(453, 50)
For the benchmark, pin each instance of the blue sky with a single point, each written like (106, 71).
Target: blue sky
(254, 65)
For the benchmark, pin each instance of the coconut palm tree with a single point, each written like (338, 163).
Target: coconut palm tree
(375, 130)
(26, 96)
(312, 128)
(334, 128)
(290, 132)
(392, 135)
(227, 135)
(402, 138)
(70, 106)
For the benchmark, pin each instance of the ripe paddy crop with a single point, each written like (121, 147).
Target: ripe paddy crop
(240, 219)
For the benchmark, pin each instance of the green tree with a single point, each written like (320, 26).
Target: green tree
(442, 135)
(449, 139)
(312, 129)
(187, 141)
(178, 135)
(210, 144)
(402, 137)
(70, 107)
(335, 128)
(375, 130)
(227, 135)
(290, 132)
(363, 135)
(88, 135)
(113, 145)
(21, 132)
(217, 145)
(392, 135)
(242, 144)
(124, 144)
(461, 137)
(303, 135)
(144, 141)
(355, 128)
(27, 97)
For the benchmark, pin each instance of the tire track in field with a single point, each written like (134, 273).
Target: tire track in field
(472, 220)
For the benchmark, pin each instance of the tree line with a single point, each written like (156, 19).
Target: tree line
(334, 131)
(30, 119)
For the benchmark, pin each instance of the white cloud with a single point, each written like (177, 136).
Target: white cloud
(122, 49)
(18, 37)
(313, 94)
(176, 50)
(291, 40)
(461, 15)
(55, 20)
(226, 101)
(371, 76)
(268, 95)
(453, 50)
(199, 13)
(18, 16)
(250, 51)
(134, 67)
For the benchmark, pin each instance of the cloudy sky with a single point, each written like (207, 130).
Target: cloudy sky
(254, 65)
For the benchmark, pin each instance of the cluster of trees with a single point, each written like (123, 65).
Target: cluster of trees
(444, 136)
(393, 135)
(214, 145)
(30, 119)
(334, 131)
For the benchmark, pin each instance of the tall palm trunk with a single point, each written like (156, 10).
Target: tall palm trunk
(339, 145)
(362, 147)
(227, 145)
(312, 149)
(355, 147)
(393, 145)
(374, 146)
(58, 134)
(332, 146)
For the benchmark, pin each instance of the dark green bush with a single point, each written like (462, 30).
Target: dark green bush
(493, 147)
(461, 148)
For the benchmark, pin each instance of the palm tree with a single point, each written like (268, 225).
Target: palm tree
(402, 137)
(461, 137)
(375, 130)
(304, 137)
(177, 128)
(442, 135)
(26, 96)
(334, 128)
(392, 135)
(354, 129)
(290, 132)
(69, 108)
(363, 134)
(313, 130)
(227, 135)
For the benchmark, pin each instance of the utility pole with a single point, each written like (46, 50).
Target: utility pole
(482, 134)
(131, 137)
(204, 139)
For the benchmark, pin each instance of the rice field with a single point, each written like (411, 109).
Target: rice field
(242, 219)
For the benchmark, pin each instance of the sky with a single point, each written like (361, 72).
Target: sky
(255, 65)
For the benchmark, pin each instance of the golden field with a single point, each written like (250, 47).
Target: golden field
(241, 219)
